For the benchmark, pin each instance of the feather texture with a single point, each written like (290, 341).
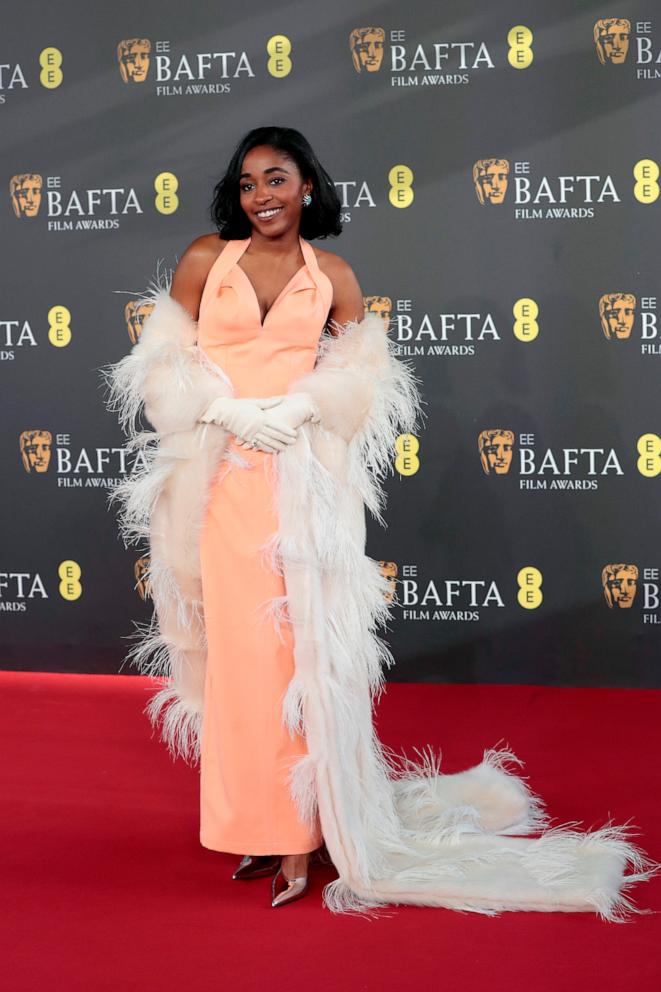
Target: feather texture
(398, 829)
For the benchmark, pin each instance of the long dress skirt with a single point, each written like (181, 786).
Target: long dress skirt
(245, 804)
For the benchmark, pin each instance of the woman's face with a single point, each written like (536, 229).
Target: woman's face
(270, 181)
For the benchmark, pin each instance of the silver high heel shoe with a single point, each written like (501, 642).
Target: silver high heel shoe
(284, 890)
(257, 866)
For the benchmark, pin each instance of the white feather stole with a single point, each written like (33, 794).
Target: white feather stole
(398, 831)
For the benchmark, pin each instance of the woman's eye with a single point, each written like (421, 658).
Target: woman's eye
(278, 179)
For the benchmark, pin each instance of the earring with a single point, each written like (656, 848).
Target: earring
(307, 200)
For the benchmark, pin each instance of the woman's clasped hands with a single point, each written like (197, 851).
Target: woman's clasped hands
(268, 424)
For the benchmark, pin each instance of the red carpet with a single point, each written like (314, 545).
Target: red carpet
(105, 886)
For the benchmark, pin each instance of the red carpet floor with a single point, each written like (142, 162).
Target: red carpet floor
(106, 887)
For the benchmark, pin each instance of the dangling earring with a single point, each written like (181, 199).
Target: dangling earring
(307, 200)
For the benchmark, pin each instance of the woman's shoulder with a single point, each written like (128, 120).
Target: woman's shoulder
(348, 303)
(192, 270)
(198, 257)
(332, 264)
(204, 249)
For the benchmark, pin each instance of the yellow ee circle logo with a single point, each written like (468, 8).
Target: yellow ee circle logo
(646, 174)
(51, 75)
(529, 581)
(649, 451)
(166, 185)
(70, 586)
(407, 447)
(525, 313)
(520, 53)
(59, 332)
(400, 178)
(279, 49)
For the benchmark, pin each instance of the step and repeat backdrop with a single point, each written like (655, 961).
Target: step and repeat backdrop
(498, 166)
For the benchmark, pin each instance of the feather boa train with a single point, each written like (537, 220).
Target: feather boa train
(398, 830)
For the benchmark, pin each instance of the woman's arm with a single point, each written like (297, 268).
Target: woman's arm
(348, 301)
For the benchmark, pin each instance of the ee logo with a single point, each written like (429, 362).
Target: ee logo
(646, 174)
(407, 447)
(70, 587)
(59, 331)
(400, 178)
(166, 185)
(529, 581)
(649, 452)
(525, 313)
(279, 50)
(520, 53)
(50, 62)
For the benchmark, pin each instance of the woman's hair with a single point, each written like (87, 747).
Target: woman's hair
(319, 220)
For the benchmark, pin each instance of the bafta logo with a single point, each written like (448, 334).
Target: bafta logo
(381, 306)
(496, 447)
(135, 314)
(490, 177)
(619, 583)
(133, 58)
(367, 48)
(611, 38)
(141, 573)
(389, 570)
(35, 450)
(25, 193)
(617, 312)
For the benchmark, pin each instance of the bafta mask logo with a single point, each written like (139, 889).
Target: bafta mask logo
(135, 314)
(35, 450)
(619, 583)
(25, 194)
(490, 176)
(133, 58)
(617, 312)
(611, 37)
(496, 447)
(141, 573)
(381, 306)
(389, 570)
(367, 48)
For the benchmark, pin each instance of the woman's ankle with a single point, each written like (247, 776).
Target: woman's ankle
(295, 864)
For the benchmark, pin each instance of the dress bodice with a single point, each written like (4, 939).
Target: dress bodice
(261, 359)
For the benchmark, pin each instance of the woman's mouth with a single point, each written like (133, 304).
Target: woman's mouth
(267, 214)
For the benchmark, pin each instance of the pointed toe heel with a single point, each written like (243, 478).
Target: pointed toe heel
(285, 890)
(259, 866)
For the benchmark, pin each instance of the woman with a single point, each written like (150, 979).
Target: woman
(261, 303)
(271, 437)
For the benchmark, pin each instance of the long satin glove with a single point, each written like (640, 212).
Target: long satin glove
(294, 410)
(250, 419)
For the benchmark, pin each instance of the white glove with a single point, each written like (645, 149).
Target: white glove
(250, 418)
(293, 410)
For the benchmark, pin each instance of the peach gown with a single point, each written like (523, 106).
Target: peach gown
(245, 805)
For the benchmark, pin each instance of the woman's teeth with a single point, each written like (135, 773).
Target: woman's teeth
(269, 213)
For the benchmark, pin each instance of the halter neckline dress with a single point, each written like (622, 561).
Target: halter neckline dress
(246, 752)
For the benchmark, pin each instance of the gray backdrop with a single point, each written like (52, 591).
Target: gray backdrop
(488, 120)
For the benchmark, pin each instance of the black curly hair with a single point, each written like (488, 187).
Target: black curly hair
(319, 220)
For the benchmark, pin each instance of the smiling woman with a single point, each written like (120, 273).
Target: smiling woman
(272, 281)
(271, 439)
